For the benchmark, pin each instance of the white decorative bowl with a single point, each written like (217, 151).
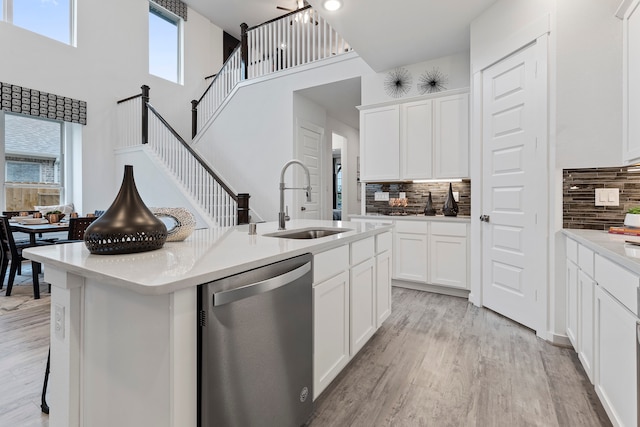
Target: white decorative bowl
(632, 220)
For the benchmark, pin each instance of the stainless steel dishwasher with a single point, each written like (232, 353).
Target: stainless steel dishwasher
(255, 347)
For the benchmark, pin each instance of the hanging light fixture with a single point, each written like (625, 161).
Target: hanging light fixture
(332, 5)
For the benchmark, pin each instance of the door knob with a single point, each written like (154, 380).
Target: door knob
(484, 218)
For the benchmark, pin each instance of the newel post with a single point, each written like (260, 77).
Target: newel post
(243, 208)
(194, 118)
(145, 114)
(244, 51)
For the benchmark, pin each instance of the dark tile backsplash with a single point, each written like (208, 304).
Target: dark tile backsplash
(417, 196)
(578, 206)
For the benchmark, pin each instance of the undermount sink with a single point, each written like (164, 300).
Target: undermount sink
(307, 233)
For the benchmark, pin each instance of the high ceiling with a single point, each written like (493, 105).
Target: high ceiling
(386, 34)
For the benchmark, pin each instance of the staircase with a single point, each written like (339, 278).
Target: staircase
(298, 38)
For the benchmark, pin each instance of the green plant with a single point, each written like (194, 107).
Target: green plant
(634, 210)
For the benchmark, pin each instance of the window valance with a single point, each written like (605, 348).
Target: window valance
(175, 6)
(33, 102)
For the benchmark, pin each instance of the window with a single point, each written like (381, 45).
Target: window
(165, 44)
(50, 18)
(33, 166)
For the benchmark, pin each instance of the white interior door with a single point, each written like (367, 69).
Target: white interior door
(309, 153)
(514, 186)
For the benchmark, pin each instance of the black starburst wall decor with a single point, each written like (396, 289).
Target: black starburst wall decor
(432, 81)
(398, 82)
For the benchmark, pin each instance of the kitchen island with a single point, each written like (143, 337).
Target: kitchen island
(123, 327)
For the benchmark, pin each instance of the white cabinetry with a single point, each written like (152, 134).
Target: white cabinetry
(383, 277)
(380, 144)
(416, 139)
(351, 298)
(616, 366)
(410, 250)
(572, 292)
(448, 254)
(330, 330)
(630, 14)
(451, 136)
(420, 139)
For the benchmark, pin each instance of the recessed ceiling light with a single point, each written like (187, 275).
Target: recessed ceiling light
(332, 4)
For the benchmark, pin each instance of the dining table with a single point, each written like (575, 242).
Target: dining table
(33, 230)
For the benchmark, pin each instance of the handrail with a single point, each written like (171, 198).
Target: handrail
(293, 12)
(129, 98)
(215, 76)
(193, 153)
(275, 45)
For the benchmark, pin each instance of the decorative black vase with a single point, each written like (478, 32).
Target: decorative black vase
(128, 226)
(450, 207)
(429, 209)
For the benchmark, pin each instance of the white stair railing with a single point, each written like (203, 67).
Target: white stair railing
(297, 38)
(199, 181)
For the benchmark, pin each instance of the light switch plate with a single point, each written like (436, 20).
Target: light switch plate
(381, 196)
(607, 197)
(456, 196)
(402, 195)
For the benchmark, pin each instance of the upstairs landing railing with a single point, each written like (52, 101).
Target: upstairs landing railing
(202, 183)
(297, 38)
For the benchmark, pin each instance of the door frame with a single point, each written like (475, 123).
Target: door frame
(538, 33)
(298, 176)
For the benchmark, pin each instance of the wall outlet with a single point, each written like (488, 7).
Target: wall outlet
(456, 196)
(402, 195)
(58, 321)
(607, 197)
(381, 196)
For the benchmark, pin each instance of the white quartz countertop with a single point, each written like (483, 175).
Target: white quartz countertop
(206, 255)
(420, 217)
(611, 246)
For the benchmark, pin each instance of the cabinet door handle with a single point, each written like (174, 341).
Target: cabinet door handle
(484, 218)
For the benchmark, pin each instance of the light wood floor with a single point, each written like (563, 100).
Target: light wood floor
(440, 361)
(437, 361)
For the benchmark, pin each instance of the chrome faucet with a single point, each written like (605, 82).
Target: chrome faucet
(281, 214)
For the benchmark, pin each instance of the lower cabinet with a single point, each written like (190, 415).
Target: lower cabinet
(448, 255)
(572, 303)
(586, 289)
(615, 359)
(411, 255)
(330, 330)
(351, 299)
(383, 287)
(363, 309)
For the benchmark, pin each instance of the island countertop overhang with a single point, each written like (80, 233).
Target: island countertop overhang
(206, 255)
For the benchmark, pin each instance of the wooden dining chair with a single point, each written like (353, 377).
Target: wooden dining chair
(77, 227)
(12, 258)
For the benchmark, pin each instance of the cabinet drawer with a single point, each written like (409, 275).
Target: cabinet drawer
(421, 227)
(330, 263)
(362, 250)
(384, 242)
(585, 260)
(449, 229)
(572, 250)
(620, 283)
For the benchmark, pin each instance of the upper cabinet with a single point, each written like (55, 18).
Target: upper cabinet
(630, 14)
(421, 139)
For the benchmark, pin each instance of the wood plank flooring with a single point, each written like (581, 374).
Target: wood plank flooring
(440, 361)
(437, 361)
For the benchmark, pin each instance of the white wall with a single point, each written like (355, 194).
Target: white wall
(455, 67)
(109, 63)
(252, 137)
